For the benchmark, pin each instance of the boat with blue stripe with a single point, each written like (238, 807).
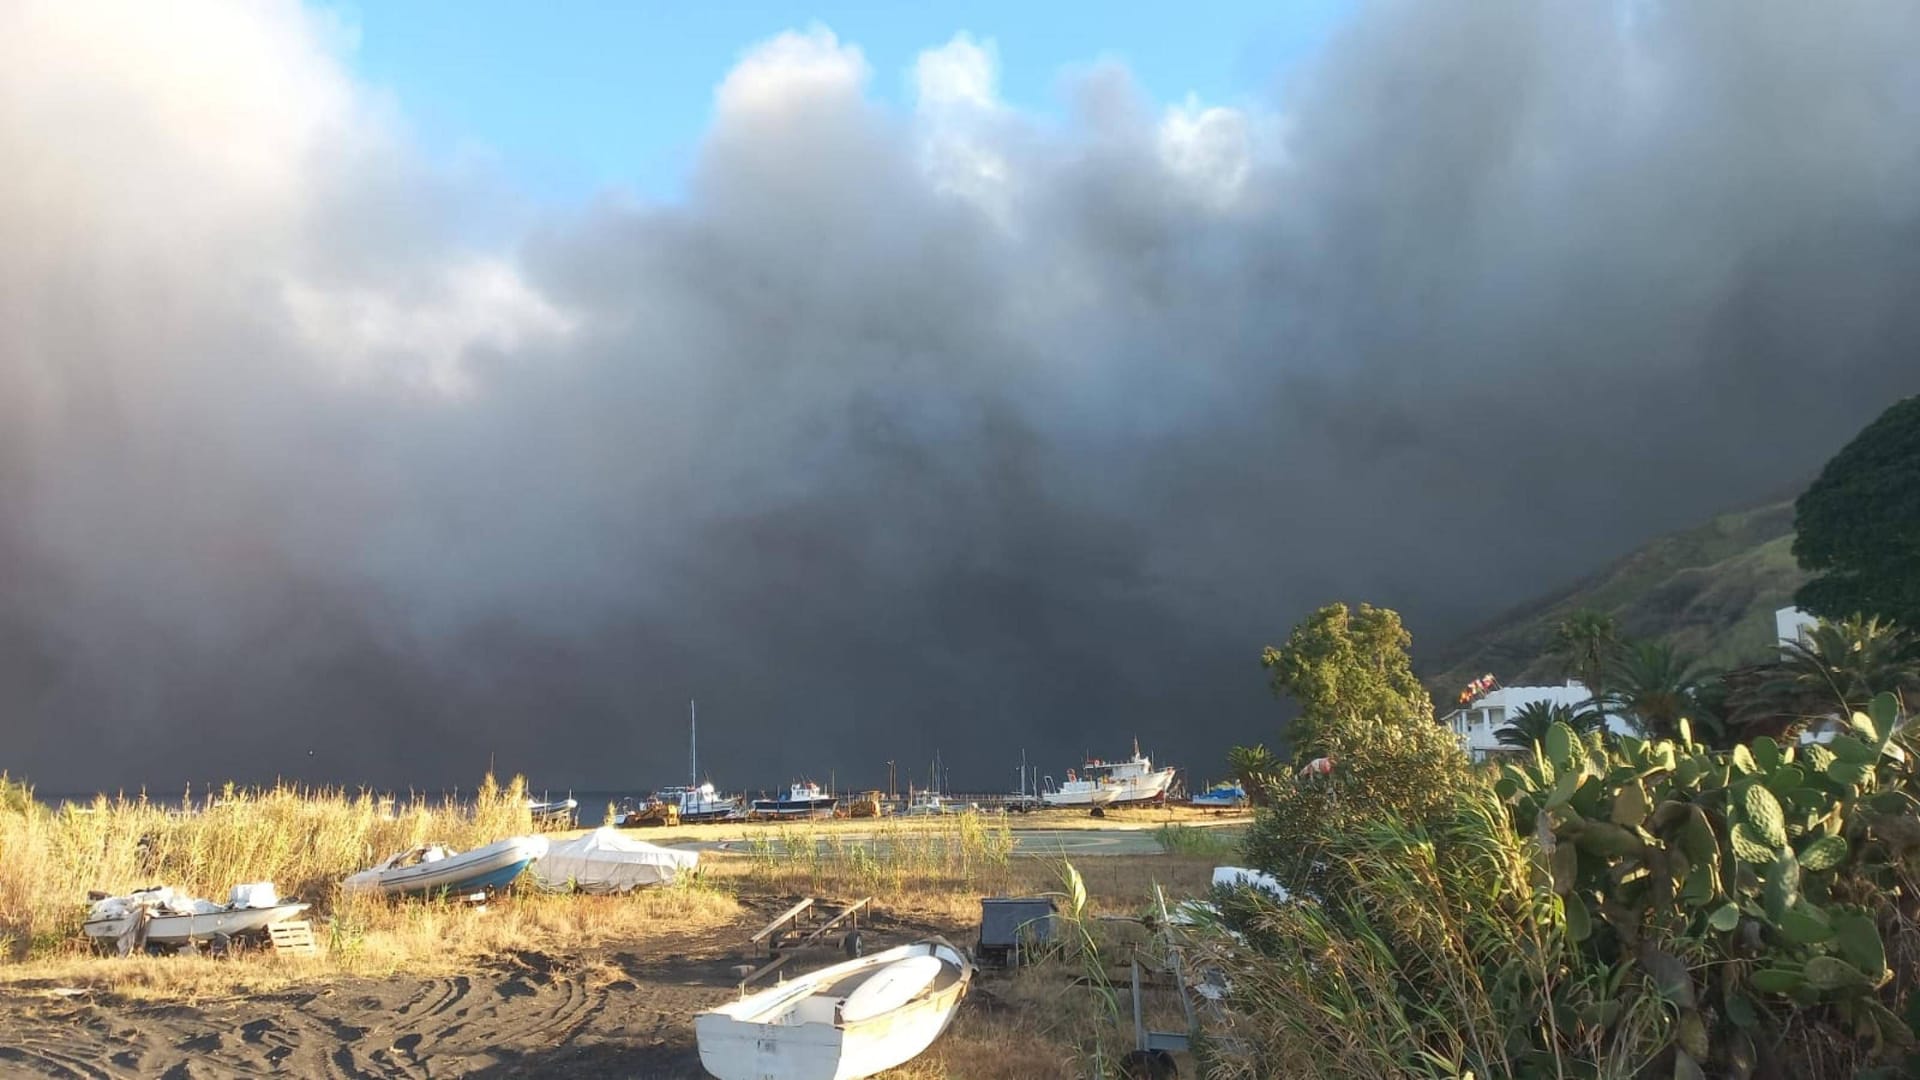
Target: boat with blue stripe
(433, 870)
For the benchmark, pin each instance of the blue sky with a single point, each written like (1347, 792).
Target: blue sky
(570, 97)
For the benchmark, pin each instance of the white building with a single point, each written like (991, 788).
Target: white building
(1477, 725)
(1792, 624)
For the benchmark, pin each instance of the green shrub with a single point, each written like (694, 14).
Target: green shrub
(1444, 953)
(1407, 771)
(1606, 908)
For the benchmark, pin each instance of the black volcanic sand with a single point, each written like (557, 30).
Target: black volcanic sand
(519, 1015)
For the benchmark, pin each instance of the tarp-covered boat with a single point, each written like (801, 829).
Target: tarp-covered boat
(607, 861)
(433, 869)
(843, 1022)
(1222, 796)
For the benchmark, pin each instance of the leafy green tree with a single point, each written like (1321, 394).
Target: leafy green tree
(1363, 711)
(1857, 529)
(1654, 685)
(1345, 667)
(1586, 643)
(1529, 723)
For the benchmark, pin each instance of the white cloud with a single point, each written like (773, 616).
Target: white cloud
(963, 72)
(422, 339)
(793, 67)
(1207, 148)
(963, 125)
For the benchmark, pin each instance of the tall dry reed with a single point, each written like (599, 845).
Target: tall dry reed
(966, 851)
(304, 840)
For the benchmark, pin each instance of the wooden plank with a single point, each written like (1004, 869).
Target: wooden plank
(835, 921)
(754, 976)
(784, 918)
(293, 937)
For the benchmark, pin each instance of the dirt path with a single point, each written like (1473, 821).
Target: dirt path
(624, 1011)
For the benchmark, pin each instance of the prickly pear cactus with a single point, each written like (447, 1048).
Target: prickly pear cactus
(1742, 885)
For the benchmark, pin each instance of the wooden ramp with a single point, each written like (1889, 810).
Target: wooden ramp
(293, 937)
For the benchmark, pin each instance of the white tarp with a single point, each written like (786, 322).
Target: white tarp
(606, 861)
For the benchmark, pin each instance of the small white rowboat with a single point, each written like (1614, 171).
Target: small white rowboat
(839, 1023)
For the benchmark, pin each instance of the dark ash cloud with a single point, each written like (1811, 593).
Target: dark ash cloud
(949, 428)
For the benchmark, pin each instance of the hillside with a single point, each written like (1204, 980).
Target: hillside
(1710, 591)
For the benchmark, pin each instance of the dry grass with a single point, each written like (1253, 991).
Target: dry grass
(375, 938)
(901, 860)
(1120, 818)
(1042, 1021)
(303, 840)
(306, 842)
(1058, 1018)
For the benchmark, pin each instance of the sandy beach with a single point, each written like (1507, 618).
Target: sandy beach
(620, 1011)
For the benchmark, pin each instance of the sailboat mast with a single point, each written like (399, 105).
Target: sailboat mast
(693, 745)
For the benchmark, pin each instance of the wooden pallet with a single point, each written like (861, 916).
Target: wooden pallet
(293, 937)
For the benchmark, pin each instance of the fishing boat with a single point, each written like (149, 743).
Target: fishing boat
(434, 870)
(159, 916)
(1110, 783)
(699, 803)
(1221, 796)
(803, 799)
(928, 801)
(558, 813)
(1028, 797)
(843, 1022)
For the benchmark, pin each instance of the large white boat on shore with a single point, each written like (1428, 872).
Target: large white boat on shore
(697, 801)
(700, 803)
(1110, 783)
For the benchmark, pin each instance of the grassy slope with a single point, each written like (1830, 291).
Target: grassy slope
(1711, 591)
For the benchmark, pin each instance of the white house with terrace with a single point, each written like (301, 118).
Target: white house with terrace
(1476, 724)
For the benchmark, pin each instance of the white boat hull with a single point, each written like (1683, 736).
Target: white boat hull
(202, 926)
(1088, 797)
(736, 1045)
(1136, 789)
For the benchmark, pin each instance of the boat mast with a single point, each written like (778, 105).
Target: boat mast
(693, 745)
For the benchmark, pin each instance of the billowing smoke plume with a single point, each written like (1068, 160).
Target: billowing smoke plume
(939, 427)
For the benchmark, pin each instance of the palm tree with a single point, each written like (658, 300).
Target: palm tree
(1653, 684)
(1529, 723)
(1840, 667)
(1254, 767)
(1586, 644)
(1717, 717)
